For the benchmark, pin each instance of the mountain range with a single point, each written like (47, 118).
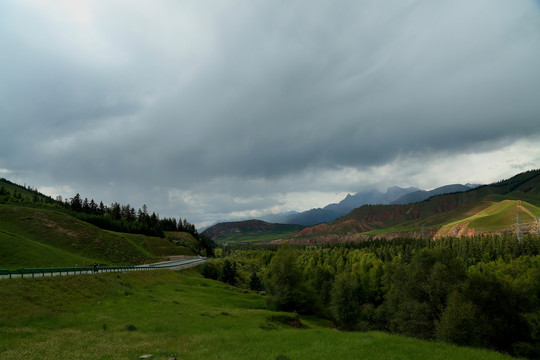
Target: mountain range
(331, 212)
(421, 195)
(451, 210)
(517, 195)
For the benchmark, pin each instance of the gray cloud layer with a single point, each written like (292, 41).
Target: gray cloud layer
(247, 97)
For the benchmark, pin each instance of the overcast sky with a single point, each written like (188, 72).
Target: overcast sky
(216, 110)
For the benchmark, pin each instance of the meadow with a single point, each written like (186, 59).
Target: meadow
(182, 315)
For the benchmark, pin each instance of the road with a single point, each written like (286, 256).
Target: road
(171, 265)
(175, 264)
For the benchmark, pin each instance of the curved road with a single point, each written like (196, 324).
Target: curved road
(171, 265)
(175, 264)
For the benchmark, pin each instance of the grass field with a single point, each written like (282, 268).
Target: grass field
(178, 314)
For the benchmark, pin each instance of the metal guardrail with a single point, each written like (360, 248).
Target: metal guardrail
(42, 272)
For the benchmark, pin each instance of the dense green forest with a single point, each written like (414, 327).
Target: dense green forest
(116, 217)
(479, 291)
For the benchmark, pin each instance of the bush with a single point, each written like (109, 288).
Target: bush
(255, 282)
(228, 273)
(211, 269)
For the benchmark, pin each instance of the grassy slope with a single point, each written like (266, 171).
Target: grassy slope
(503, 214)
(16, 252)
(156, 246)
(184, 241)
(42, 238)
(498, 216)
(26, 194)
(177, 314)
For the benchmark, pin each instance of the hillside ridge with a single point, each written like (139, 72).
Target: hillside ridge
(424, 218)
(231, 231)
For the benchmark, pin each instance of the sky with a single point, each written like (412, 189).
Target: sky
(223, 110)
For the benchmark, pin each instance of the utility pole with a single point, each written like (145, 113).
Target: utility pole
(518, 227)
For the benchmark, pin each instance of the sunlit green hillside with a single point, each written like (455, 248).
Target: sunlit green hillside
(501, 216)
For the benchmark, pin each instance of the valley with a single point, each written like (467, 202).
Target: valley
(281, 291)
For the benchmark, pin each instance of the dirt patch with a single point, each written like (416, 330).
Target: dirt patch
(51, 224)
(528, 212)
(288, 320)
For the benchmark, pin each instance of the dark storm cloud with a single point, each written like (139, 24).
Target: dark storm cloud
(357, 94)
(258, 97)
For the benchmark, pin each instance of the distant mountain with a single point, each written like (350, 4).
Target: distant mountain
(332, 212)
(421, 195)
(314, 216)
(249, 231)
(281, 218)
(369, 197)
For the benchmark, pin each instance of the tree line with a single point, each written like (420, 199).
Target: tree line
(480, 291)
(124, 218)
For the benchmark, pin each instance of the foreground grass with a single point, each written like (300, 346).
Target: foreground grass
(168, 314)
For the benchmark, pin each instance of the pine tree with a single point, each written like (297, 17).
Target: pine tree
(228, 273)
(255, 282)
(76, 203)
(86, 206)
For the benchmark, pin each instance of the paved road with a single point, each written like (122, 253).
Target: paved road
(172, 265)
(176, 264)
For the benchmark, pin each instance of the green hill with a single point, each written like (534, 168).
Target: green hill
(249, 231)
(11, 193)
(500, 217)
(180, 315)
(32, 237)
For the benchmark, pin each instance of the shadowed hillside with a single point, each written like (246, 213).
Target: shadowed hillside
(250, 230)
